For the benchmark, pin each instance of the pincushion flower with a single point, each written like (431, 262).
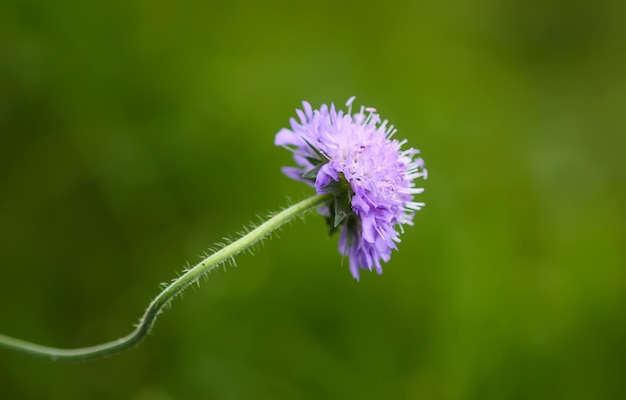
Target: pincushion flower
(355, 157)
(365, 184)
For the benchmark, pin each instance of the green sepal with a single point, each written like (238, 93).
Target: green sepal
(320, 155)
(343, 209)
(315, 161)
(332, 218)
(337, 187)
(312, 173)
(340, 212)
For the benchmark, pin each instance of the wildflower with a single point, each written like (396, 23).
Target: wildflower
(355, 157)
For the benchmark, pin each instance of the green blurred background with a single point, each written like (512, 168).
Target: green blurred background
(134, 135)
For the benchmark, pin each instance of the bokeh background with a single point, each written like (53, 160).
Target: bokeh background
(135, 134)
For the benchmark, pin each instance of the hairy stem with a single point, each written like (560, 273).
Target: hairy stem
(189, 277)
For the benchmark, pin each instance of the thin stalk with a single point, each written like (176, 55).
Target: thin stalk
(189, 277)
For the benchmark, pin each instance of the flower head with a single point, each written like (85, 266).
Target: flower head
(354, 156)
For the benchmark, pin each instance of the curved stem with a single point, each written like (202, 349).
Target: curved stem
(170, 292)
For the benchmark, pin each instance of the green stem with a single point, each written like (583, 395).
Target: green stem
(189, 277)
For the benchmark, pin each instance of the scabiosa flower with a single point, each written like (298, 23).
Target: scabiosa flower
(354, 157)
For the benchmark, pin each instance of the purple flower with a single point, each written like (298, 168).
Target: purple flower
(354, 157)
